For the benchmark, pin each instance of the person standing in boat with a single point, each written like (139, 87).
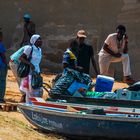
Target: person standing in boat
(36, 56)
(115, 49)
(3, 69)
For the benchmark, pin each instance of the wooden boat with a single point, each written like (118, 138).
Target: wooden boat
(55, 117)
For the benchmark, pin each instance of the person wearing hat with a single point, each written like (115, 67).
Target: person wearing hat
(115, 49)
(84, 53)
(29, 30)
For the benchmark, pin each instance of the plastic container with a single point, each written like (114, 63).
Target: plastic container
(75, 86)
(104, 83)
(125, 94)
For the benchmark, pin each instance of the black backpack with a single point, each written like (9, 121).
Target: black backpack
(23, 68)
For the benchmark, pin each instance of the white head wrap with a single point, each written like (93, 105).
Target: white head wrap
(34, 38)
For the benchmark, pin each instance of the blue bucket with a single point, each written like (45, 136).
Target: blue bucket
(104, 83)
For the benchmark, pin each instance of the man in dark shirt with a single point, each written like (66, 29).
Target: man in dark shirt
(29, 30)
(85, 53)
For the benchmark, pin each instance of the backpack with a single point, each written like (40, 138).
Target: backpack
(23, 68)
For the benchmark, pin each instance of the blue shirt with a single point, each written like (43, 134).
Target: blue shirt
(15, 56)
(2, 51)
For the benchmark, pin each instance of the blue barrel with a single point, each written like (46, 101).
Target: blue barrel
(104, 83)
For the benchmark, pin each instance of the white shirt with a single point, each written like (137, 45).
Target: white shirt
(113, 44)
(36, 56)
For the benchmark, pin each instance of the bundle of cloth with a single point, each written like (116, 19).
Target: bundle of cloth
(69, 81)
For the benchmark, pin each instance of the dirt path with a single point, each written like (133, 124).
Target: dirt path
(13, 126)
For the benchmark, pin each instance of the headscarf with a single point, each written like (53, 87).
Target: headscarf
(34, 38)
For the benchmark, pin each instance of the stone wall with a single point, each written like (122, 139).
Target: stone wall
(57, 21)
(130, 16)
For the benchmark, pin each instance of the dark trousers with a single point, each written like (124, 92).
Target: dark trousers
(3, 73)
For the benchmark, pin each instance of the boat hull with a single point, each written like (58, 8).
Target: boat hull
(82, 125)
